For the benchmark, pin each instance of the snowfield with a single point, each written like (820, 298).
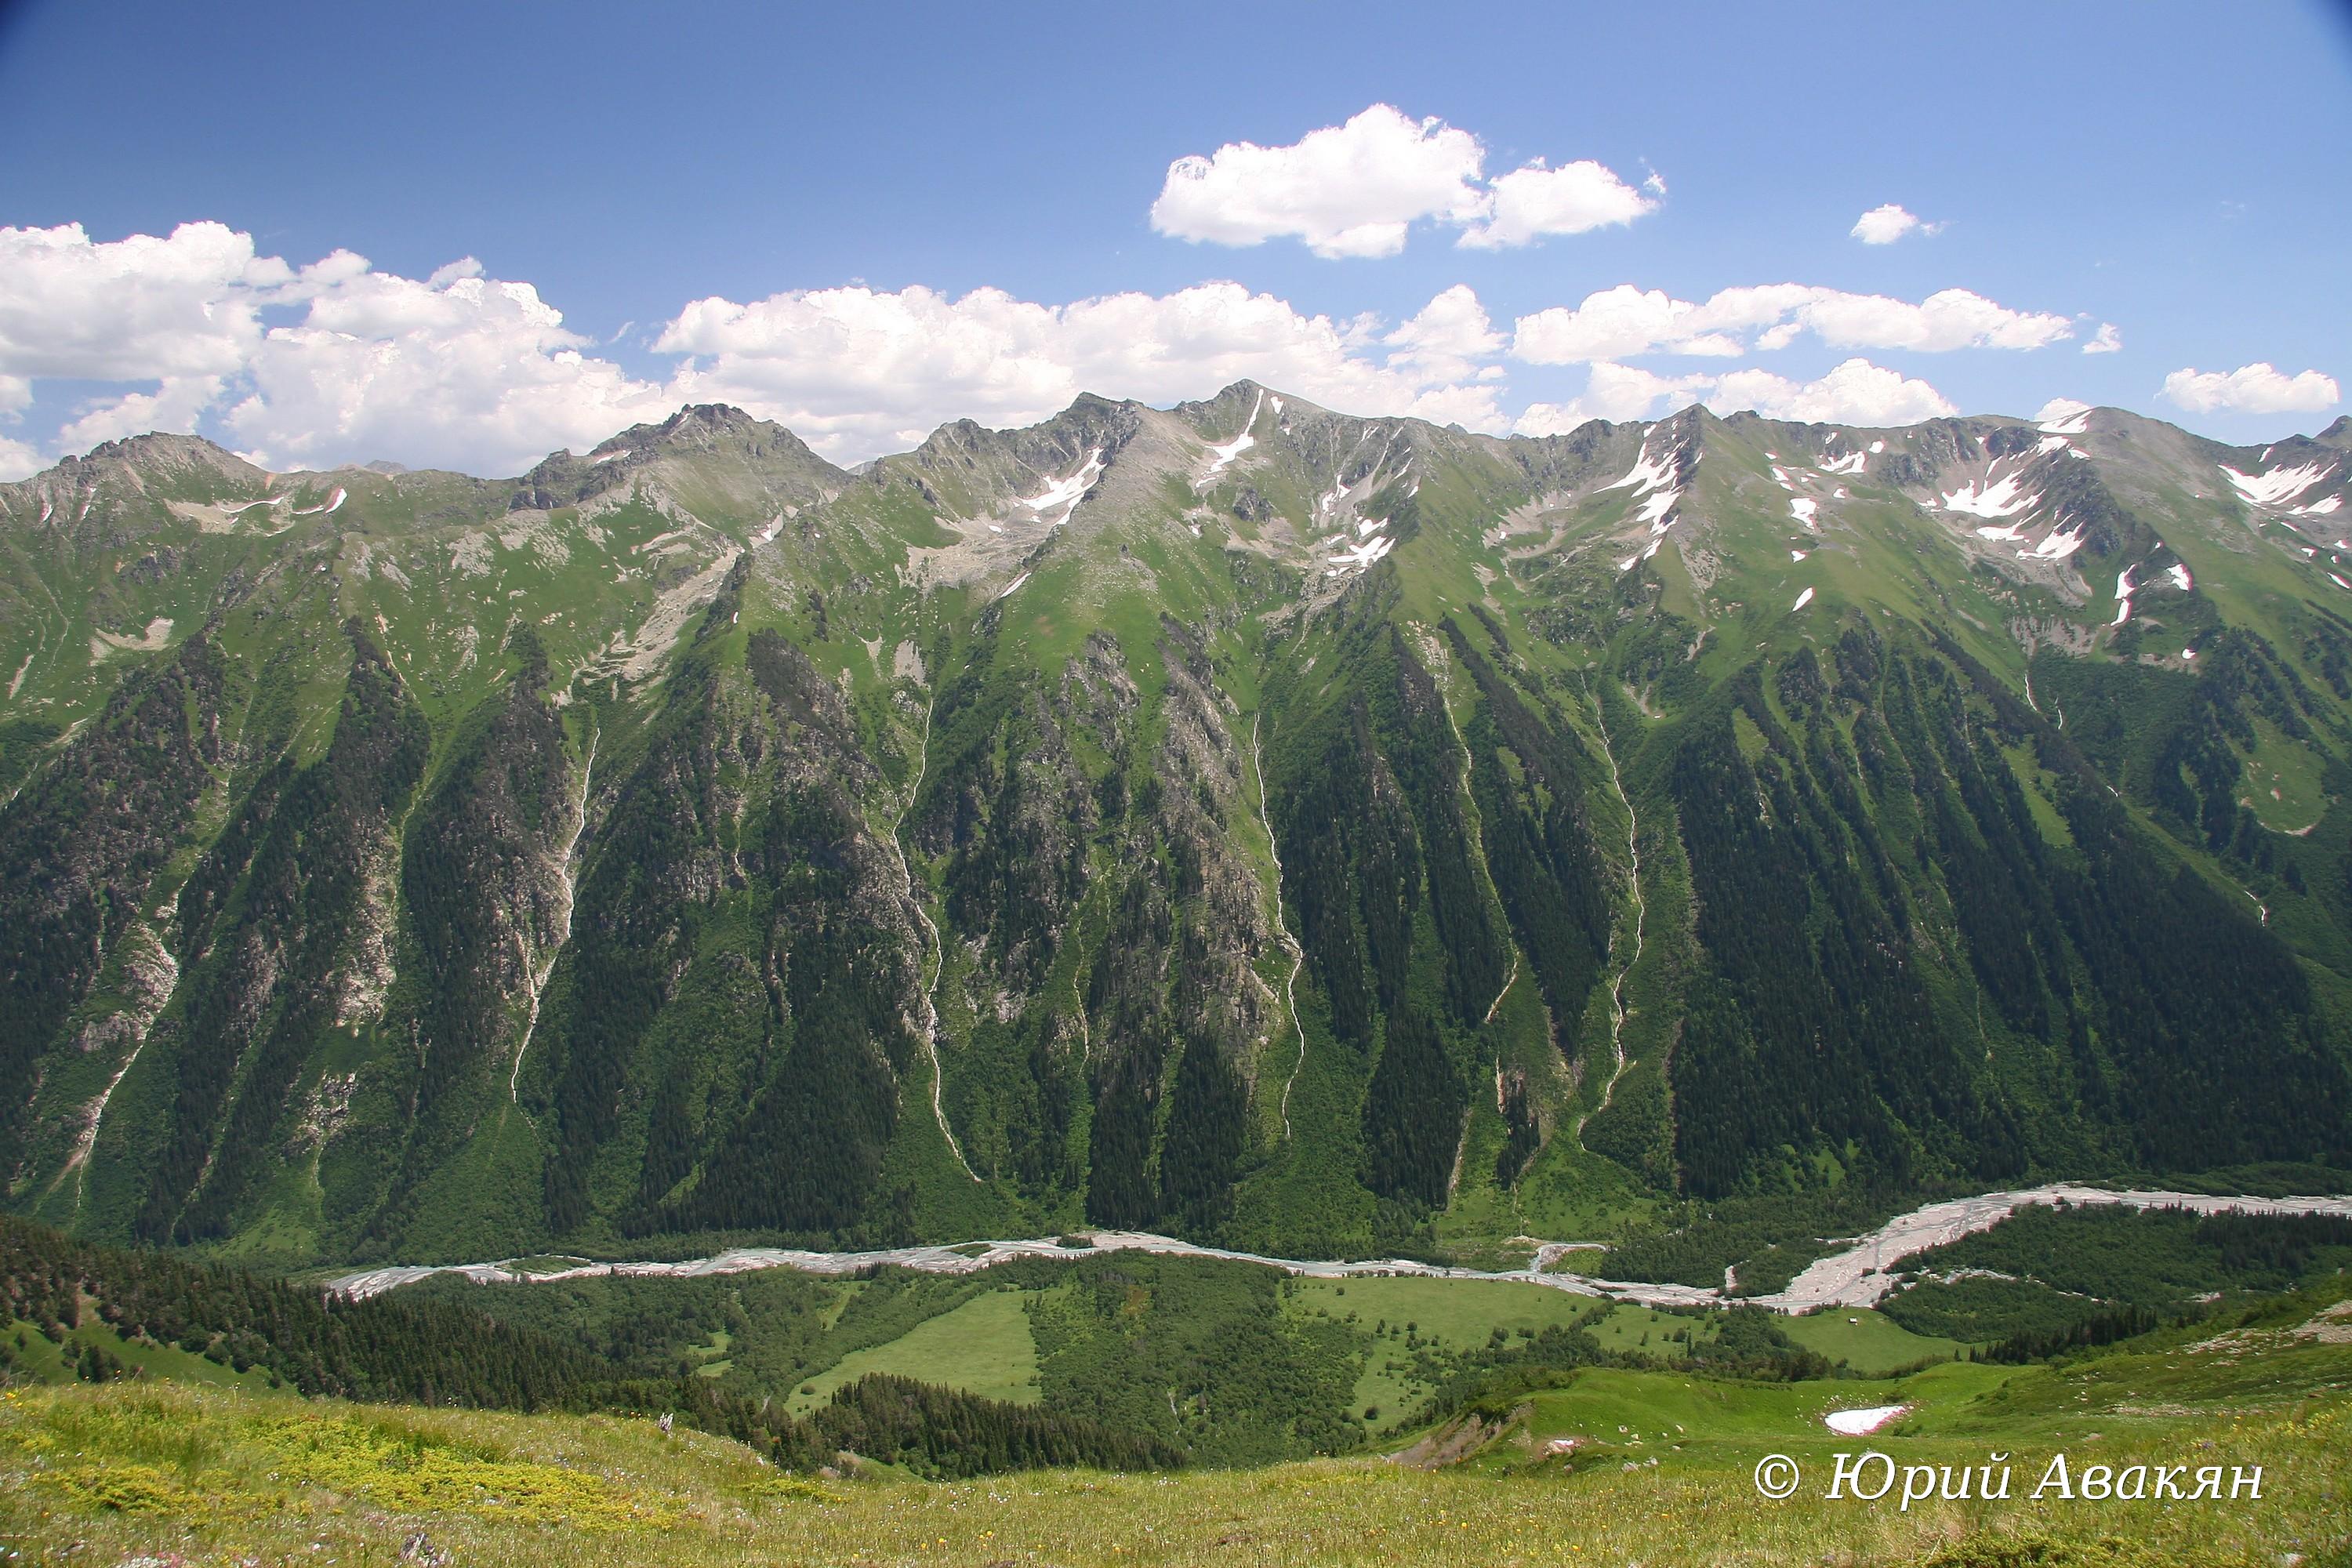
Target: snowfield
(1064, 495)
(2277, 486)
(1220, 456)
(2067, 417)
(1990, 498)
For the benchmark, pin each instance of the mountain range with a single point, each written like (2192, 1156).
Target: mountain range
(1313, 834)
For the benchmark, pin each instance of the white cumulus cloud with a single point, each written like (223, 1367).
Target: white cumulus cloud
(18, 461)
(1449, 338)
(1615, 322)
(1885, 225)
(1854, 393)
(1534, 201)
(175, 405)
(1345, 190)
(2109, 339)
(455, 370)
(1615, 393)
(851, 368)
(333, 362)
(337, 362)
(2258, 388)
(141, 309)
(1356, 190)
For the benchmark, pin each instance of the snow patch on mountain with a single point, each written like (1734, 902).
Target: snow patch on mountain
(1648, 473)
(2277, 486)
(2057, 546)
(2064, 416)
(1359, 556)
(1064, 495)
(1990, 498)
(1220, 456)
(1803, 600)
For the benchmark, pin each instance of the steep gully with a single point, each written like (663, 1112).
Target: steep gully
(1641, 917)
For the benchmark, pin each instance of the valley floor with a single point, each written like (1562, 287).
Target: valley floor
(1856, 1276)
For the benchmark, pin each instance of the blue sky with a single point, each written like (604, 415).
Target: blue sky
(2173, 171)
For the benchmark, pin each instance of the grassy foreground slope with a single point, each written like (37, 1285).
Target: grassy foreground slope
(127, 1469)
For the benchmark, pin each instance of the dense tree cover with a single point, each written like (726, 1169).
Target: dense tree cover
(1745, 1343)
(1198, 1354)
(1382, 872)
(2103, 1329)
(779, 1327)
(740, 975)
(1529, 774)
(2155, 1020)
(1762, 1236)
(2149, 1258)
(1810, 1030)
(293, 918)
(477, 884)
(80, 847)
(940, 1432)
(1979, 1310)
(393, 1349)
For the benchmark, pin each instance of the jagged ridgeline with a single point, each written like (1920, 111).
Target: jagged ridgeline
(1315, 833)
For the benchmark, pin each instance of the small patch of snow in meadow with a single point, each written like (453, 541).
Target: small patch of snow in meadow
(1861, 1423)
